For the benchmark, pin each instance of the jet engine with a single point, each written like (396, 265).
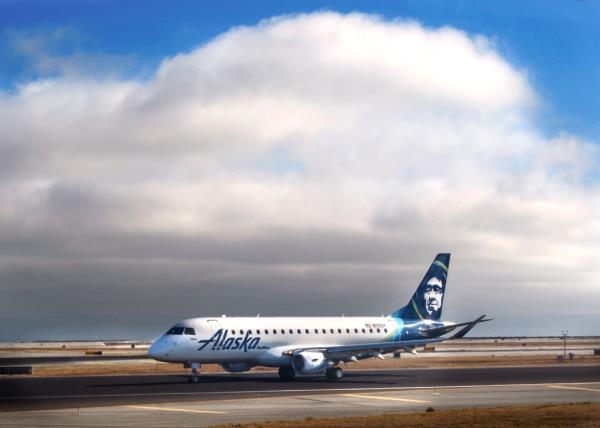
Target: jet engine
(236, 367)
(309, 362)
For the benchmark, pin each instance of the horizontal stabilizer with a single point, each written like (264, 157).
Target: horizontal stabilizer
(460, 334)
(438, 331)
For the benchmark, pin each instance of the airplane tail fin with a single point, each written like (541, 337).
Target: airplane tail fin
(426, 303)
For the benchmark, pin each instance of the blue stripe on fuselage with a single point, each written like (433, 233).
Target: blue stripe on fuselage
(398, 330)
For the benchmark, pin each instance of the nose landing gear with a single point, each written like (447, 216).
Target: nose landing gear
(193, 377)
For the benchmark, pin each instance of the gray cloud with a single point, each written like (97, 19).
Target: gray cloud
(310, 164)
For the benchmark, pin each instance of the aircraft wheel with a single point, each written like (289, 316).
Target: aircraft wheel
(334, 373)
(286, 373)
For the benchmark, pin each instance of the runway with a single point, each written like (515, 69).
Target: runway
(78, 392)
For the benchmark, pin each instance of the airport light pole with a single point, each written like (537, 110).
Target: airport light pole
(565, 333)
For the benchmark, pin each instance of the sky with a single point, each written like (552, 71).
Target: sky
(296, 158)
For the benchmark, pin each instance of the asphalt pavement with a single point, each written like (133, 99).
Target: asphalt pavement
(31, 393)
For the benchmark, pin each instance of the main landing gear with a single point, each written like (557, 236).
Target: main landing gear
(286, 373)
(193, 377)
(334, 373)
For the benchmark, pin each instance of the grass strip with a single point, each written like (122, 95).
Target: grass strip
(551, 415)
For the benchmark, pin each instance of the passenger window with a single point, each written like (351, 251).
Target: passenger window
(176, 330)
(232, 331)
(299, 331)
(355, 330)
(316, 331)
(331, 330)
(385, 330)
(274, 331)
(378, 331)
(306, 331)
(282, 331)
(291, 331)
(339, 330)
(363, 330)
(324, 331)
(241, 331)
(257, 331)
(370, 330)
(189, 331)
(347, 330)
(266, 331)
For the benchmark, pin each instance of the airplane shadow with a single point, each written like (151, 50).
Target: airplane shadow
(298, 383)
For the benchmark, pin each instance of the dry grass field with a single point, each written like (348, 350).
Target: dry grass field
(563, 415)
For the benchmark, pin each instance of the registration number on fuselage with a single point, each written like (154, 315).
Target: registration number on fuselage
(374, 325)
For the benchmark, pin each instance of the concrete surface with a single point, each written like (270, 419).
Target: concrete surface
(351, 402)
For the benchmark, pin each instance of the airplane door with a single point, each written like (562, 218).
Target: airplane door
(214, 325)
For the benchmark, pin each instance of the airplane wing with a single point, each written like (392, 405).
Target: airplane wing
(364, 350)
(368, 350)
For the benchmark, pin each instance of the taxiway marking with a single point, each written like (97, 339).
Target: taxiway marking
(577, 388)
(375, 397)
(299, 390)
(173, 409)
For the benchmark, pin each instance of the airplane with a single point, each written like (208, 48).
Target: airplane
(312, 345)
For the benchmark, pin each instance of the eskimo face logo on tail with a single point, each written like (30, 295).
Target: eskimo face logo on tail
(221, 342)
(432, 297)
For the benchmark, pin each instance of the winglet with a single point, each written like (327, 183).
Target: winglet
(469, 327)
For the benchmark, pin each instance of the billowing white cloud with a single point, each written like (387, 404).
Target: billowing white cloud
(294, 152)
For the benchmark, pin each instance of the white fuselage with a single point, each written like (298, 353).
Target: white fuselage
(263, 340)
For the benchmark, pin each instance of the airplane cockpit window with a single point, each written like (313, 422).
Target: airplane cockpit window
(176, 330)
(189, 331)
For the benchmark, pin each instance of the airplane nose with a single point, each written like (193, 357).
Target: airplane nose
(157, 350)
(152, 351)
